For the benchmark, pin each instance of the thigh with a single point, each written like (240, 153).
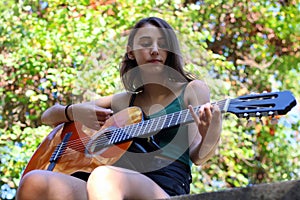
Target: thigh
(131, 184)
(51, 185)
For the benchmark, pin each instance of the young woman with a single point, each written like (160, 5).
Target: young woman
(153, 168)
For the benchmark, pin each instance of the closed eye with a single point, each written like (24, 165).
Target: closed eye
(148, 42)
(162, 44)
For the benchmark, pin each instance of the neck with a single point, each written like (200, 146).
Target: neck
(157, 91)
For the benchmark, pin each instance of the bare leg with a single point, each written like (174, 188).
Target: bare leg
(40, 184)
(108, 182)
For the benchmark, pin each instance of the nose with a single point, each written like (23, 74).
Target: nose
(154, 50)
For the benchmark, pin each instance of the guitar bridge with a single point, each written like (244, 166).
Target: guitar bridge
(58, 151)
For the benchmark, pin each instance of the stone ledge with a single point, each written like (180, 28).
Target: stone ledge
(288, 190)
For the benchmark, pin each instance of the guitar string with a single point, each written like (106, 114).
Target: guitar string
(145, 123)
(79, 144)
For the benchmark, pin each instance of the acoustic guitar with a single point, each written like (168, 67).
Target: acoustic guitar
(70, 147)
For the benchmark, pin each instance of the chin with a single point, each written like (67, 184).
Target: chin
(154, 67)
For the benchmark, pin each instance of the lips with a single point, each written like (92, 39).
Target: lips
(155, 61)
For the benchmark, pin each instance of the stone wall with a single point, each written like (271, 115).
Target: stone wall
(289, 190)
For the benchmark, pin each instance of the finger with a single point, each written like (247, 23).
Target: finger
(208, 113)
(102, 117)
(194, 115)
(95, 126)
(205, 115)
(216, 109)
(202, 114)
(108, 111)
(104, 114)
(99, 124)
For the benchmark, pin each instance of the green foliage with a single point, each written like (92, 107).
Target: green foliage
(17, 146)
(70, 51)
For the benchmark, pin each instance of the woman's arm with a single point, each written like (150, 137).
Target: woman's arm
(92, 114)
(204, 134)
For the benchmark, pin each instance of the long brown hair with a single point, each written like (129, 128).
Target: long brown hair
(129, 71)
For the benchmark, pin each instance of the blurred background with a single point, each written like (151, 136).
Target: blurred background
(69, 51)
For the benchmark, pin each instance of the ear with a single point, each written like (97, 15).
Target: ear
(130, 53)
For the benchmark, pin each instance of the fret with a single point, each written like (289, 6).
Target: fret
(151, 124)
(196, 110)
(112, 138)
(117, 135)
(116, 132)
(126, 132)
(172, 115)
(159, 123)
(186, 115)
(156, 127)
(141, 128)
(108, 137)
(163, 124)
(147, 126)
(134, 129)
(178, 117)
(155, 124)
(123, 135)
(175, 118)
(130, 130)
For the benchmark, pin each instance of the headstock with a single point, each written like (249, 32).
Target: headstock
(259, 105)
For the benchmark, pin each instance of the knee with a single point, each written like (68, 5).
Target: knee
(101, 174)
(105, 177)
(105, 183)
(31, 184)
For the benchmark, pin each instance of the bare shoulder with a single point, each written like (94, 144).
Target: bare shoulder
(198, 91)
(198, 84)
(120, 101)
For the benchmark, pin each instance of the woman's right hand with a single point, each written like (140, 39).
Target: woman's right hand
(89, 114)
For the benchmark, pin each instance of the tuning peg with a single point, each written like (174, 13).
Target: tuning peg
(260, 121)
(249, 123)
(258, 114)
(274, 121)
(246, 115)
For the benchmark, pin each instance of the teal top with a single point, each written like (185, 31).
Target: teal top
(173, 141)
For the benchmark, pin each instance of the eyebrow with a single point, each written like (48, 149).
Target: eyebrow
(149, 37)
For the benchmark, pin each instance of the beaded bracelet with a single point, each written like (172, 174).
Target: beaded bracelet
(66, 113)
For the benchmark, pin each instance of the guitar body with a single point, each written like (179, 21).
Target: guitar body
(74, 158)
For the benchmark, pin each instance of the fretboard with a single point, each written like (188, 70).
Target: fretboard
(152, 126)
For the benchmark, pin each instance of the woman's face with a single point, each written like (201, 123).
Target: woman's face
(149, 47)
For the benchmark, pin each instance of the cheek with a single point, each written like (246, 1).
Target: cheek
(164, 54)
(140, 55)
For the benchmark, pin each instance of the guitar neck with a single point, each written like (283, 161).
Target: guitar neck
(253, 105)
(152, 126)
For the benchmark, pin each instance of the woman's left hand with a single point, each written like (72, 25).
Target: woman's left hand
(206, 116)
